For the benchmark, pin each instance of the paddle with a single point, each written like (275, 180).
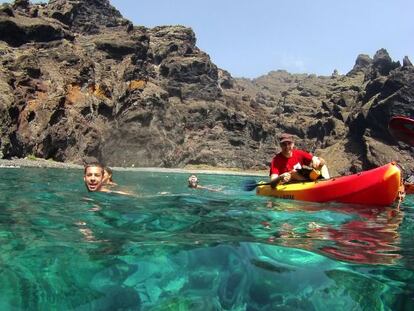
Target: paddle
(250, 184)
(402, 129)
(409, 185)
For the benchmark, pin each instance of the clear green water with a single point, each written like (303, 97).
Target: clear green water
(62, 248)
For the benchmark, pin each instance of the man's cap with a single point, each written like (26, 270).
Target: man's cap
(286, 138)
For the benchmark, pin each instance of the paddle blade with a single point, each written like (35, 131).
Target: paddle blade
(249, 185)
(409, 188)
(402, 129)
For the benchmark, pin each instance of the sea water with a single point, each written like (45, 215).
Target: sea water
(169, 247)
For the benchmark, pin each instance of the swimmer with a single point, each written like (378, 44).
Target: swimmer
(94, 179)
(107, 179)
(193, 183)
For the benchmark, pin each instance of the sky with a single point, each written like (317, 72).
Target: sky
(250, 38)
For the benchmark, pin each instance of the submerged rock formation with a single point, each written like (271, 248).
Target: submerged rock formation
(78, 81)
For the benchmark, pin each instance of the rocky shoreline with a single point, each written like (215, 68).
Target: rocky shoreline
(80, 81)
(41, 163)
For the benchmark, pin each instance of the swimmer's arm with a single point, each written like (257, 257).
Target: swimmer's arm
(125, 193)
(207, 188)
(118, 192)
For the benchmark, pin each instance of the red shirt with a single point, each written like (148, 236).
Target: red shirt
(280, 164)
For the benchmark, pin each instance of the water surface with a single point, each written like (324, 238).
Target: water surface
(174, 248)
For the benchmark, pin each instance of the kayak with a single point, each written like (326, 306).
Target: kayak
(379, 186)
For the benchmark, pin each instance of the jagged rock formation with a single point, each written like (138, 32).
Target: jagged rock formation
(79, 81)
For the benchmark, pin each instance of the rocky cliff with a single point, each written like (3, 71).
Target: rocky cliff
(80, 82)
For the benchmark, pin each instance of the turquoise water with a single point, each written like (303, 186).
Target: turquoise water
(173, 248)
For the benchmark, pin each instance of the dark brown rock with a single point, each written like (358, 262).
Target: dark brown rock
(85, 17)
(407, 62)
(78, 82)
(363, 63)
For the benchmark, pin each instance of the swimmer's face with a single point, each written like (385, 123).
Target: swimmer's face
(93, 178)
(193, 181)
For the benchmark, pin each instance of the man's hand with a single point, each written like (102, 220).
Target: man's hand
(285, 177)
(281, 179)
(317, 163)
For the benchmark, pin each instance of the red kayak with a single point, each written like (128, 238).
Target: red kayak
(379, 186)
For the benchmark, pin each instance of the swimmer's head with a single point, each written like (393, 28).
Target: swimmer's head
(93, 176)
(192, 181)
(107, 175)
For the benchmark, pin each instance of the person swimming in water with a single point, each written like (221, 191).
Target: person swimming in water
(94, 179)
(107, 179)
(193, 183)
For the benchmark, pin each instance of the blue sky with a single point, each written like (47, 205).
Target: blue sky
(250, 38)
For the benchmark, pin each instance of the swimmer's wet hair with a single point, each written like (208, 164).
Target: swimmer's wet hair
(93, 164)
(108, 169)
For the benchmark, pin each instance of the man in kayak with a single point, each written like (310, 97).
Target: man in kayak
(288, 164)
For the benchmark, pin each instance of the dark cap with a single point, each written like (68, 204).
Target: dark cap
(286, 138)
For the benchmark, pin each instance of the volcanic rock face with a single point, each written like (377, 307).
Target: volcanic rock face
(78, 81)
